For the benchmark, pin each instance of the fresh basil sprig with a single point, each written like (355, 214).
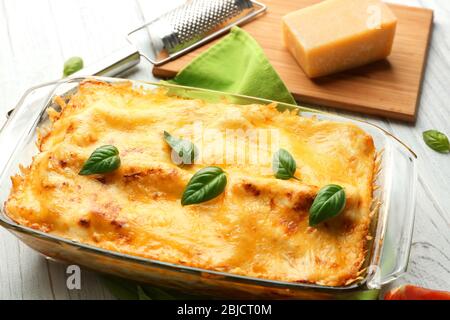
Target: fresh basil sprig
(183, 151)
(284, 165)
(329, 202)
(204, 185)
(103, 160)
(437, 141)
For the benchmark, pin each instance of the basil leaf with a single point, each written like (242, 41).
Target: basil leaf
(329, 202)
(437, 141)
(205, 185)
(103, 160)
(283, 165)
(183, 151)
(72, 65)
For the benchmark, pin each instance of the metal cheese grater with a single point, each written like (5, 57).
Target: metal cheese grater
(191, 25)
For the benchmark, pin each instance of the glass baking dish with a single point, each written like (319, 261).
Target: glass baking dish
(391, 230)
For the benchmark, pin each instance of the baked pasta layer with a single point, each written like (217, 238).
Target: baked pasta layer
(258, 227)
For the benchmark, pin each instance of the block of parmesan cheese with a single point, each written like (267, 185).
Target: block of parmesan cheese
(336, 35)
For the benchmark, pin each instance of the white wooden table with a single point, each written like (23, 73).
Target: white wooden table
(37, 36)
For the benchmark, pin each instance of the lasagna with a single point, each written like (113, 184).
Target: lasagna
(257, 227)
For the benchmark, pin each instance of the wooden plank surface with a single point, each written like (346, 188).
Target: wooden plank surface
(36, 36)
(387, 88)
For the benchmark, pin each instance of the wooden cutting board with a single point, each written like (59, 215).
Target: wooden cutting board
(389, 88)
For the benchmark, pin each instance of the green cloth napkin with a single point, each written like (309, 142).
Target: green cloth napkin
(236, 64)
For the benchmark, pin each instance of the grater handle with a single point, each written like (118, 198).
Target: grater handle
(114, 64)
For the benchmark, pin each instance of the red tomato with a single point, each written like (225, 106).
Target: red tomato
(409, 292)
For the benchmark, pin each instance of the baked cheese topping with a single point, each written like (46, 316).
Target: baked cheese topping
(258, 227)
